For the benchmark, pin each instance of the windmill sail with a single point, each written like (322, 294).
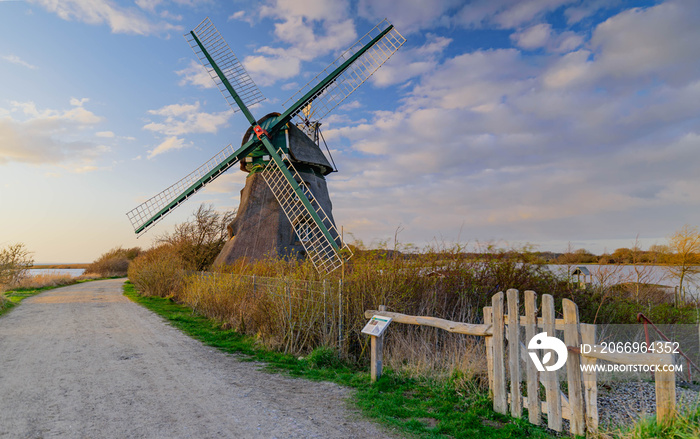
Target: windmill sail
(223, 58)
(354, 75)
(321, 251)
(148, 213)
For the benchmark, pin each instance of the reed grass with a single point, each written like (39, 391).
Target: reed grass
(288, 306)
(43, 280)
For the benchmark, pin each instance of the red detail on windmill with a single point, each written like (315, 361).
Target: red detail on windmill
(259, 131)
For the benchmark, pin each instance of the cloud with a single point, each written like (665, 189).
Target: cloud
(182, 119)
(46, 136)
(195, 74)
(506, 14)
(408, 63)
(658, 42)
(168, 144)
(106, 134)
(117, 17)
(521, 150)
(411, 15)
(14, 59)
(306, 30)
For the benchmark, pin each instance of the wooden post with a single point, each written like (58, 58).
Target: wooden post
(500, 401)
(516, 401)
(590, 384)
(572, 338)
(665, 393)
(488, 341)
(376, 352)
(533, 381)
(551, 378)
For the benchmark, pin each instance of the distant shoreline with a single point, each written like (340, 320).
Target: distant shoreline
(59, 266)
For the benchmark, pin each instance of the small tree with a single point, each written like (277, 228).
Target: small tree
(15, 260)
(200, 239)
(684, 258)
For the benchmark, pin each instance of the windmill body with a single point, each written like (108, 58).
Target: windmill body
(276, 152)
(261, 229)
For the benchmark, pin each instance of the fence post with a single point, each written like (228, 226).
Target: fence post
(572, 338)
(590, 383)
(340, 315)
(551, 378)
(516, 404)
(500, 401)
(533, 379)
(377, 346)
(488, 341)
(665, 382)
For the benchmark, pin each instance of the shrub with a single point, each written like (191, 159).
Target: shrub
(199, 240)
(158, 272)
(113, 263)
(15, 260)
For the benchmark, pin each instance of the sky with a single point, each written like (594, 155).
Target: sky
(542, 122)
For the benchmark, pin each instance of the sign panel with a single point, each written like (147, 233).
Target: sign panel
(376, 325)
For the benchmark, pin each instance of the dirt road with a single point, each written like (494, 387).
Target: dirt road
(85, 362)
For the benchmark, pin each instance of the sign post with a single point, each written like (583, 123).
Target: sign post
(375, 328)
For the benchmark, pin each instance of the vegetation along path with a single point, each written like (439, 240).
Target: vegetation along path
(84, 361)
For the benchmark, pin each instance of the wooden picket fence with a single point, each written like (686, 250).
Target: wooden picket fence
(506, 346)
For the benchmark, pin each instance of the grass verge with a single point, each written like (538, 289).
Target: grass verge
(422, 408)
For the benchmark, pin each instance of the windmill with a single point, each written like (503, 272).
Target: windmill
(266, 145)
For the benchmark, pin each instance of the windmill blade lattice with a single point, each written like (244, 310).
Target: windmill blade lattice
(226, 61)
(318, 248)
(147, 214)
(353, 76)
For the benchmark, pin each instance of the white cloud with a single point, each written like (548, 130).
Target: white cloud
(408, 63)
(583, 10)
(269, 69)
(195, 74)
(533, 37)
(506, 14)
(657, 42)
(119, 18)
(542, 36)
(78, 102)
(106, 134)
(411, 15)
(306, 31)
(186, 119)
(167, 145)
(47, 136)
(14, 59)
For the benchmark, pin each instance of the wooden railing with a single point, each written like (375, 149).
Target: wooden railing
(501, 329)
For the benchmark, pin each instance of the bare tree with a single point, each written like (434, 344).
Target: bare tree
(15, 260)
(200, 239)
(684, 258)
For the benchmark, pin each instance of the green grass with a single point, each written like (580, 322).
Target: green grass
(684, 426)
(417, 407)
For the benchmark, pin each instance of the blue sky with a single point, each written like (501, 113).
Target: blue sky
(538, 121)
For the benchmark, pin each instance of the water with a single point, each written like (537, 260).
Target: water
(648, 274)
(73, 272)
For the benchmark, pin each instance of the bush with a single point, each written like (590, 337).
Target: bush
(15, 260)
(199, 240)
(158, 272)
(113, 263)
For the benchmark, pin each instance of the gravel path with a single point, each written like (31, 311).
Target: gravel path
(83, 362)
